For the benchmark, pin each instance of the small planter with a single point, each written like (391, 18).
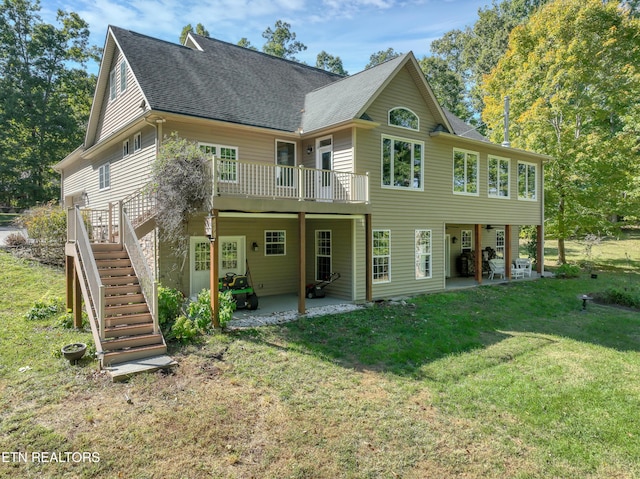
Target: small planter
(73, 352)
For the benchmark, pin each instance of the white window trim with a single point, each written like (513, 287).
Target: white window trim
(123, 76)
(284, 242)
(330, 255)
(419, 255)
(137, 142)
(422, 168)
(113, 86)
(500, 159)
(400, 126)
(466, 152)
(373, 280)
(103, 184)
(218, 146)
(523, 198)
(126, 150)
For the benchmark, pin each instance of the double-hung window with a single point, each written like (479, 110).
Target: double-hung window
(113, 86)
(227, 168)
(125, 148)
(381, 256)
(402, 163)
(500, 243)
(423, 254)
(123, 76)
(498, 177)
(465, 172)
(527, 176)
(104, 175)
(137, 141)
(275, 243)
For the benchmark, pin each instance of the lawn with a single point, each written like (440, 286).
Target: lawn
(508, 381)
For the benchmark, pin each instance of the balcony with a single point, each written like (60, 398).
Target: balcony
(325, 189)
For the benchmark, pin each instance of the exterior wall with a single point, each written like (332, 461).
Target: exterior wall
(124, 108)
(128, 174)
(402, 211)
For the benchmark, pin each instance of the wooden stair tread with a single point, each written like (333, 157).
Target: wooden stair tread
(115, 357)
(128, 319)
(128, 330)
(128, 343)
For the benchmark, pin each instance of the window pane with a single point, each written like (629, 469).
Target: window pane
(386, 161)
(531, 182)
(404, 118)
(417, 165)
(401, 163)
(504, 178)
(472, 173)
(458, 171)
(493, 177)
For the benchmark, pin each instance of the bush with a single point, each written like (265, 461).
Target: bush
(568, 271)
(15, 240)
(184, 330)
(623, 297)
(47, 228)
(200, 311)
(170, 303)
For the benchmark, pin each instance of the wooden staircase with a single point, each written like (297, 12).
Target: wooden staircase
(129, 329)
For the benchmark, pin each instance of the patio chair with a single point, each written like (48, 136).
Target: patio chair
(524, 264)
(496, 266)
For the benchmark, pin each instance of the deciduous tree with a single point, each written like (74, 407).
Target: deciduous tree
(330, 63)
(573, 76)
(281, 42)
(45, 96)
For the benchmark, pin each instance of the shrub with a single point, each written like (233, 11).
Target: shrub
(15, 240)
(65, 320)
(200, 310)
(568, 271)
(170, 303)
(47, 228)
(184, 330)
(623, 297)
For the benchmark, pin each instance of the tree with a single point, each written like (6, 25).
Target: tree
(281, 42)
(573, 76)
(330, 63)
(381, 57)
(44, 98)
(200, 30)
(473, 52)
(447, 86)
(245, 43)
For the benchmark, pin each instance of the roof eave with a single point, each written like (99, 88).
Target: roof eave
(487, 144)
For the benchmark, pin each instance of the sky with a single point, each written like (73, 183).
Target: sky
(349, 29)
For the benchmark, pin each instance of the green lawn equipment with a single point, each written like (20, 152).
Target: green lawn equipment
(242, 291)
(316, 290)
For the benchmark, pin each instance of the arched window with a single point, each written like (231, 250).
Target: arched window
(404, 118)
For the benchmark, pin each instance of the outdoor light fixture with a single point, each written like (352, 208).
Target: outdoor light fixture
(209, 227)
(489, 227)
(454, 240)
(309, 149)
(255, 246)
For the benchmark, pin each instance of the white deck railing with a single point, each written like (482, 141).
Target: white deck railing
(140, 206)
(264, 180)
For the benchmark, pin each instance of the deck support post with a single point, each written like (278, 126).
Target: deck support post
(508, 255)
(302, 263)
(540, 252)
(77, 300)
(213, 271)
(69, 277)
(478, 256)
(369, 257)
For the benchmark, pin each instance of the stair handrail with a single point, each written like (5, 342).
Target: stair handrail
(140, 205)
(141, 267)
(92, 276)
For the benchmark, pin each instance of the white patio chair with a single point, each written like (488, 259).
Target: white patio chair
(496, 266)
(524, 264)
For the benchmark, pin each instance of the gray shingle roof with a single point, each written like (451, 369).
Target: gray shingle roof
(223, 82)
(343, 100)
(461, 128)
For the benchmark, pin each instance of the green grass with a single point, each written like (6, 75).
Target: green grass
(508, 381)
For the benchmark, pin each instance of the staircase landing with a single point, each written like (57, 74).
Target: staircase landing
(123, 371)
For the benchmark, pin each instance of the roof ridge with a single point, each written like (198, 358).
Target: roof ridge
(149, 37)
(267, 55)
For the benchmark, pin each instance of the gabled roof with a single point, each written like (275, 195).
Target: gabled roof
(220, 81)
(461, 128)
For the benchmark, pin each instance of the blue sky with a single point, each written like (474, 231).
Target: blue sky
(350, 29)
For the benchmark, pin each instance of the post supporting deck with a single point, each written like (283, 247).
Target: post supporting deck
(507, 252)
(213, 272)
(478, 259)
(77, 300)
(540, 248)
(302, 263)
(69, 270)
